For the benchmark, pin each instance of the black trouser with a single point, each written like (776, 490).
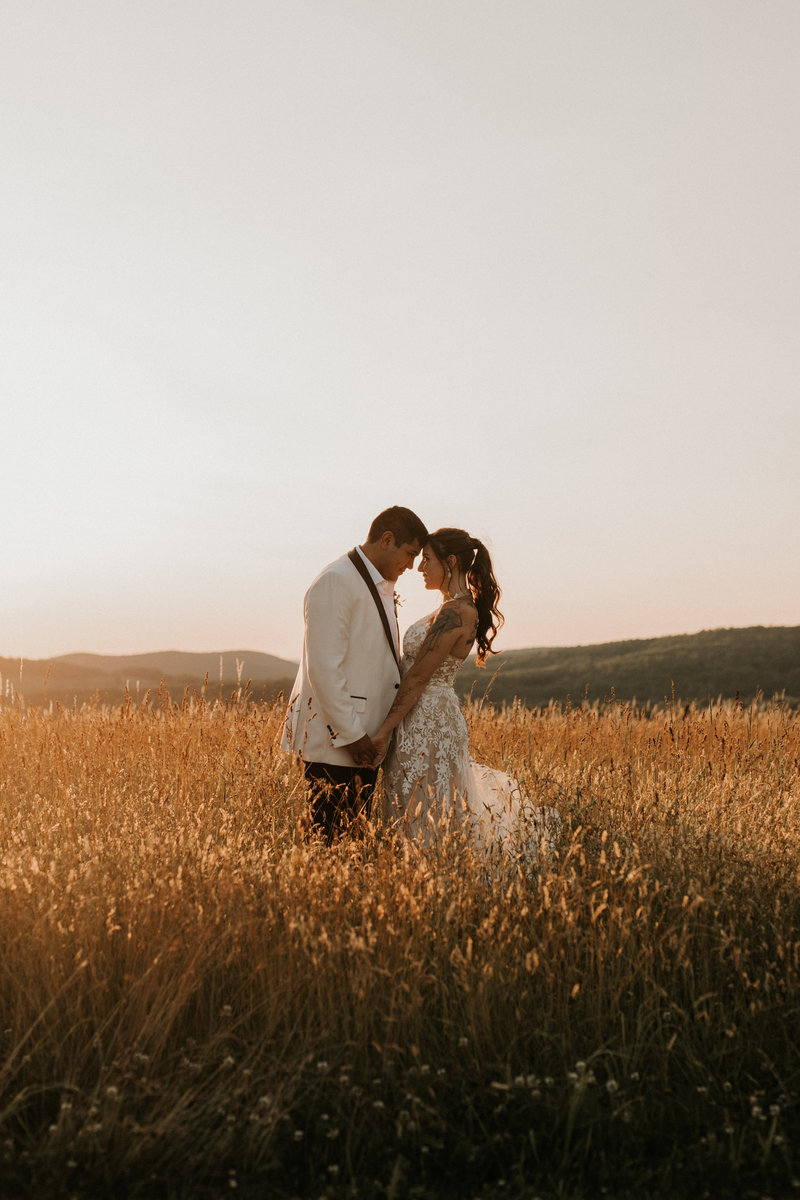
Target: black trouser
(338, 795)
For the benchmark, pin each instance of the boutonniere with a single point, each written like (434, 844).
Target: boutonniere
(398, 601)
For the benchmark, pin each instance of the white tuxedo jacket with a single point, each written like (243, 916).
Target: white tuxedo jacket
(348, 671)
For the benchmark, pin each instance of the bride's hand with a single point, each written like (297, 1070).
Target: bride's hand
(380, 743)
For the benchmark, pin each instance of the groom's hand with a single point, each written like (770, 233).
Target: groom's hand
(362, 752)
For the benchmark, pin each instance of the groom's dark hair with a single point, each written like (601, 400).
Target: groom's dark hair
(402, 522)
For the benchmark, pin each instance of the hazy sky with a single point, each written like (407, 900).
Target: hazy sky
(531, 268)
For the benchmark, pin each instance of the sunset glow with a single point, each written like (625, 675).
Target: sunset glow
(269, 268)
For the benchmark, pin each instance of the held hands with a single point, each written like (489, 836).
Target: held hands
(363, 752)
(381, 744)
(369, 752)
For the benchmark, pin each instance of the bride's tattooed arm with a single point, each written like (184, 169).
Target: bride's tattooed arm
(447, 620)
(444, 635)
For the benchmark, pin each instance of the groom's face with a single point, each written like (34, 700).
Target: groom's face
(395, 559)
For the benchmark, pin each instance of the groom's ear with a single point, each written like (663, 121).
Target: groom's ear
(387, 540)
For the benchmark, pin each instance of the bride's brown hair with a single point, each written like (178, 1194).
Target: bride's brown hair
(474, 560)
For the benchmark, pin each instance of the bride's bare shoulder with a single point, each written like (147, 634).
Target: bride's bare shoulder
(463, 606)
(459, 614)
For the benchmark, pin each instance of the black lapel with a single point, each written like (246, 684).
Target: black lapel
(360, 566)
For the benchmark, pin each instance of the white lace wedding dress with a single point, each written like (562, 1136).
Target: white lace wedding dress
(431, 781)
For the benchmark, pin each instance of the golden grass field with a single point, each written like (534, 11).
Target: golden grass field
(197, 1001)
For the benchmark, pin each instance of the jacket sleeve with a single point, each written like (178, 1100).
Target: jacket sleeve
(327, 612)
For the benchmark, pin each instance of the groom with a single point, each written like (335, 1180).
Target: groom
(350, 669)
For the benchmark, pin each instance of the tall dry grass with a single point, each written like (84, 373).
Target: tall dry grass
(196, 1000)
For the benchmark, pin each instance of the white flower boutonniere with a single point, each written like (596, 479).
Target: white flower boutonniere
(398, 601)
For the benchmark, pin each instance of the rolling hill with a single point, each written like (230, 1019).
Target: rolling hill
(82, 677)
(699, 666)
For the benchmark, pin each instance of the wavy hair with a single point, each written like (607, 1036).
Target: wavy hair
(474, 560)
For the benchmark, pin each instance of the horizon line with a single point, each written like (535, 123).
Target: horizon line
(22, 658)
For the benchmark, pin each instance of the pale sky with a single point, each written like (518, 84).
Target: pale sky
(530, 268)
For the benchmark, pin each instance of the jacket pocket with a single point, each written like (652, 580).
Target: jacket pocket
(359, 703)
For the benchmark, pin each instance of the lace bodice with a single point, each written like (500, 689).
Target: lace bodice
(445, 673)
(430, 756)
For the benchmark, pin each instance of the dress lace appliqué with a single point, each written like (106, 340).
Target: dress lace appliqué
(429, 775)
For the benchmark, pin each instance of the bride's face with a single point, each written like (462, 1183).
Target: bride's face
(432, 570)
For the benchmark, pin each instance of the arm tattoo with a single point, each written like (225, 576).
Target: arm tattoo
(399, 700)
(447, 620)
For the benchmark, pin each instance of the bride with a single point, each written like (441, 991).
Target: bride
(428, 775)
